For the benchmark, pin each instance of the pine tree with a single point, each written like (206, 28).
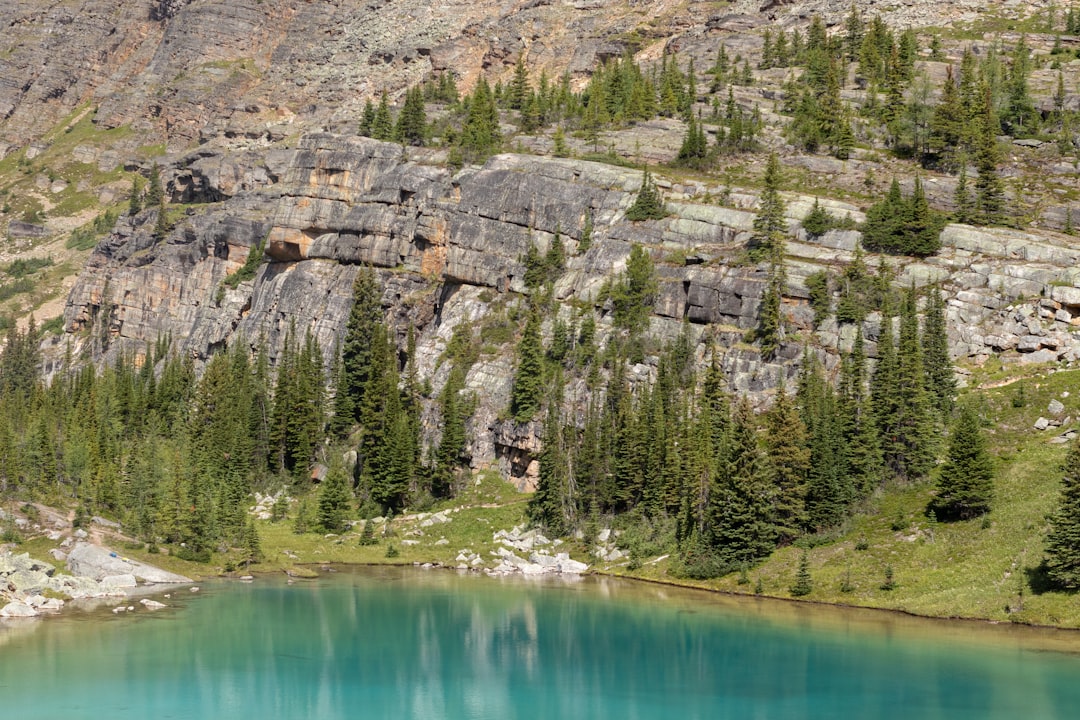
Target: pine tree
(770, 324)
(989, 192)
(382, 125)
(649, 204)
(453, 440)
(740, 524)
(135, 198)
(923, 228)
(965, 485)
(770, 226)
(634, 294)
(480, 136)
(940, 378)
(788, 459)
(411, 125)
(1063, 540)
(355, 363)
(803, 583)
(528, 388)
(334, 502)
(549, 504)
(367, 119)
(518, 90)
(915, 426)
(818, 221)
(155, 195)
(694, 149)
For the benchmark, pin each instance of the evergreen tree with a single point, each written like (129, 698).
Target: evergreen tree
(453, 440)
(818, 221)
(528, 387)
(135, 198)
(334, 501)
(741, 527)
(788, 461)
(355, 363)
(965, 485)
(803, 583)
(382, 125)
(1063, 540)
(914, 424)
(634, 294)
(770, 324)
(155, 194)
(862, 460)
(411, 127)
(1019, 116)
(519, 89)
(649, 203)
(551, 502)
(694, 149)
(989, 192)
(480, 136)
(940, 378)
(770, 226)
(367, 120)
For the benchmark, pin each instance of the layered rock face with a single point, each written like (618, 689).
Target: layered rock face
(449, 249)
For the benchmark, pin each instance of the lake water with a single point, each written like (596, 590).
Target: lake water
(402, 643)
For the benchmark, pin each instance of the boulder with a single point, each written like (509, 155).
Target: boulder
(18, 610)
(97, 562)
(1055, 408)
(119, 581)
(152, 604)
(1042, 423)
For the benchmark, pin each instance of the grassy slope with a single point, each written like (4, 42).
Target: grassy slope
(949, 569)
(943, 569)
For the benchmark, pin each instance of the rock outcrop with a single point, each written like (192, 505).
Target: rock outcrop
(449, 248)
(99, 563)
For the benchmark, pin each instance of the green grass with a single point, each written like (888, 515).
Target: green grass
(962, 569)
(486, 505)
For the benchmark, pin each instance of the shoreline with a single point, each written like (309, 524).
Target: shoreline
(951, 620)
(815, 613)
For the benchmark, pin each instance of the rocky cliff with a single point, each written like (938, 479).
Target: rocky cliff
(449, 249)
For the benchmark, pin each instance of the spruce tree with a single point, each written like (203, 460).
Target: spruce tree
(803, 583)
(528, 388)
(382, 125)
(155, 195)
(356, 348)
(740, 526)
(770, 227)
(135, 198)
(989, 191)
(481, 136)
(965, 485)
(635, 291)
(788, 461)
(411, 125)
(334, 500)
(940, 378)
(549, 504)
(914, 424)
(649, 203)
(770, 323)
(1062, 563)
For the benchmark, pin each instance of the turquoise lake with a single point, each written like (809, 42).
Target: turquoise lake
(403, 643)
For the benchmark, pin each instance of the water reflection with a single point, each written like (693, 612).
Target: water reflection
(400, 644)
